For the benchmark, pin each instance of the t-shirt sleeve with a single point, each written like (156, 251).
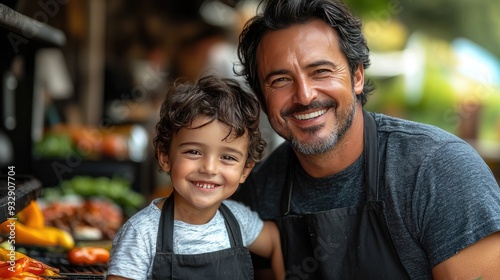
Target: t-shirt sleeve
(250, 223)
(457, 201)
(134, 247)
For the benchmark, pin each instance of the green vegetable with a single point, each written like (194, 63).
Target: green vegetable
(116, 189)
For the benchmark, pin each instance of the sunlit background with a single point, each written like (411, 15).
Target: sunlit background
(433, 61)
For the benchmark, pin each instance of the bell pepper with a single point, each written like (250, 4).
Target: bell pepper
(25, 276)
(50, 272)
(24, 265)
(45, 236)
(7, 270)
(88, 255)
(32, 215)
(6, 255)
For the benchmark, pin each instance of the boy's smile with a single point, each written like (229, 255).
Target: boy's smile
(205, 185)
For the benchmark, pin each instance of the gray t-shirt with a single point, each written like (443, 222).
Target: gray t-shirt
(439, 194)
(134, 246)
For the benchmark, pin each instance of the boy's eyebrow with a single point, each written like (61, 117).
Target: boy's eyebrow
(311, 65)
(235, 151)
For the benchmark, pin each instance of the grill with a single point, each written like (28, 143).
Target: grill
(28, 188)
(67, 270)
(25, 188)
(76, 276)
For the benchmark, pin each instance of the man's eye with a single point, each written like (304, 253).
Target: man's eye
(280, 82)
(322, 72)
(192, 152)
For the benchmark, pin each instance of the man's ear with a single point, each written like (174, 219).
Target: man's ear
(359, 79)
(164, 161)
(246, 171)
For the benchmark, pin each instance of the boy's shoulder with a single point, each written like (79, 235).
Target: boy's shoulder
(241, 212)
(236, 207)
(147, 215)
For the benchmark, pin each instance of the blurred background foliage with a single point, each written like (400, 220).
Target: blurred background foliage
(436, 62)
(433, 61)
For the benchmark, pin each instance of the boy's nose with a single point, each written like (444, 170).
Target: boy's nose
(209, 166)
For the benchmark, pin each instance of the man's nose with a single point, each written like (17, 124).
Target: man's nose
(305, 93)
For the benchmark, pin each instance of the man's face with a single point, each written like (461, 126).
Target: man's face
(307, 85)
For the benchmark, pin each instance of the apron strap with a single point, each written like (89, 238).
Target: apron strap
(286, 196)
(371, 157)
(232, 226)
(164, 238)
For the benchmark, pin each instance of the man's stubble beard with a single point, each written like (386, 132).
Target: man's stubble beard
(320, 146)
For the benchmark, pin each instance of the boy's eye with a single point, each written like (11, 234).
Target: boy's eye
(192, 152)
(228, 157)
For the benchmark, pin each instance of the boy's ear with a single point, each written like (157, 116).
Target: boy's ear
(246, 171)
(164, 161)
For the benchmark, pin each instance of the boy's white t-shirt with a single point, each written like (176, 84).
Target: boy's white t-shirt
(134, 246)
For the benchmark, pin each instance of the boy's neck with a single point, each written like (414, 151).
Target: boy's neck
(189, 214)
(194, 216)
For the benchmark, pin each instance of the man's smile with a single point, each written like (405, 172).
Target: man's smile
(308, 116)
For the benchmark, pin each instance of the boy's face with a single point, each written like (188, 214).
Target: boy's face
(205, 169)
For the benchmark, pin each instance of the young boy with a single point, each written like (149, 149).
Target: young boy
(208, 140)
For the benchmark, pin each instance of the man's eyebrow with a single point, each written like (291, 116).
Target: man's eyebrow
(311, 65)
(322, 63)
(274, 73)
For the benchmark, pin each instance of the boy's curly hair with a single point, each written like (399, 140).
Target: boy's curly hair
(217, 99)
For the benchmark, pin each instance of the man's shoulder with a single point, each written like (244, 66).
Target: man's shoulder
(277, 159)
(393, 128)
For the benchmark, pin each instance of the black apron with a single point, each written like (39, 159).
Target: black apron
(344, 243)
(232, 263)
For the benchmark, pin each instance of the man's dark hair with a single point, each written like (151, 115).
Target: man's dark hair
(216, 99)
(281, 14)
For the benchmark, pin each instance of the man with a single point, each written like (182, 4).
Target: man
(358, 195)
